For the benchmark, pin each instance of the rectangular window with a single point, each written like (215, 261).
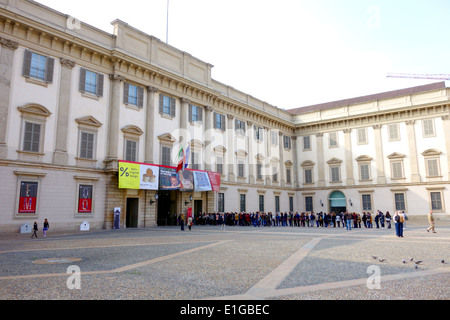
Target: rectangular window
(274, 174)
(261, 203)
(133, 95)
(240, 127)
(367, 202)
(428, 128)
(32, 137)
(219, 121)
(167, 105)
(91, 82)
(87, 145)
(277, 203)
(287, 142)
(258, 133)
(309, 204)
(335, 176)
(436, 202)
(85, 199)
(165, 156)
(38, 66)
(274, 135)
(219, 165)
(195, 160)
(28, 197)
(364, 171)
(432, 167)
(130, 150)
(288, 176)
(394, 134)
(399, 199)
(241, 172)
(195, 113)
(362, 135)
(333, 143)
(308, 176)
(306, 143)
(397, 170)
(291, 203)
(242, 202)
(259, 171)
(221, 202)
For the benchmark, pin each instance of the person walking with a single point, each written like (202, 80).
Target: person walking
(46, 227)
(431, 221)
(35, 229)
(182, 221)
(190, 222)
(388, 219)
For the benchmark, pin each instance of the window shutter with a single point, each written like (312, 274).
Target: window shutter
(140, 97)
(26, 64)
(190, 113)
(126, 90)
(82, 80)
(222, 122)
(200, 114)
(50, 63)
(161, 103)
(172, 107)
(100, 85)
(214, 120)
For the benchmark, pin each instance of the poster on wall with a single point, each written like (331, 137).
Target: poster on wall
(28, 197)
(168, 179)
(187, 180)
(149, 177)
(214, 178)
(129, 175)
(201, 181)
(85, 199)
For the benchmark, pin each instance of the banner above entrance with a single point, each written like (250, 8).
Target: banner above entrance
(134, 175)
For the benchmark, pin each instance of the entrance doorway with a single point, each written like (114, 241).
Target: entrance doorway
(198, 207)
(167, 208)
(132, 213)
(337, 202)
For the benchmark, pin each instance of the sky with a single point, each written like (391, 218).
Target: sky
(292, 53)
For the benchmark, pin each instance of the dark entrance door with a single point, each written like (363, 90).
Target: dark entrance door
(337, 202)
(132, 213)
(167, 201)
(198, 206)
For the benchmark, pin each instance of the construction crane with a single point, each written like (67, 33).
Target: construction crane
(419, 76)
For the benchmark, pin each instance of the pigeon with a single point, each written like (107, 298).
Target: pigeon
(416, 266)
(442, 261)
(404, 261)
(411, 259)
(382, 260)
(374, 257)
(418, 262)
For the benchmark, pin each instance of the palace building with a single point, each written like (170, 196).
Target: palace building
(81, 110)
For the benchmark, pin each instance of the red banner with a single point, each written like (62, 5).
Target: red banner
(214, 178)
(28, 197)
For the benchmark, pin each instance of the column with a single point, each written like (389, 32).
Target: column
(6, 68)
(348, 157)
(282, 166)
(150, 124)
(320, 160)
(184, 118)
(446, 126)
(60, 155)
(381, 177)
(267, 167)
(250, 157)
(230, 148)
(112, 154)
(207, 154)
(415, 176)
(295, 158)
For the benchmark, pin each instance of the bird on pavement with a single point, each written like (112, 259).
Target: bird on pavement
(382, 260)
(418, 262)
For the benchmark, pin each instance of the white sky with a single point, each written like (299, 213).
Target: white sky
(292, 53)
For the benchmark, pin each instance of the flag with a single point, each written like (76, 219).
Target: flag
(186, 157)
(181, 156)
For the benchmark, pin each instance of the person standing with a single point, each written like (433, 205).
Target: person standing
(388, 219)
(182, 221)
(431, 221)
(35, 229)
(348, 220)
(190, 222)
(46, 227)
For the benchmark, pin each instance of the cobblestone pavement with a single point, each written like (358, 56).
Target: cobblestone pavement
(238, 263)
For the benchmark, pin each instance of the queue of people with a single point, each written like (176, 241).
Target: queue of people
(346, 219)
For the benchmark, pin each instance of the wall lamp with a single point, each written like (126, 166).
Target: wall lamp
(350, 202)
(152, 201)
(186, 202)
(321, 203)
